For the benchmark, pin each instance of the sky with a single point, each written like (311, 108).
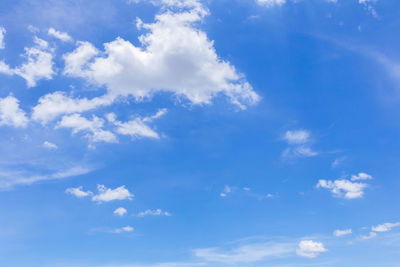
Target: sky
(179, 133)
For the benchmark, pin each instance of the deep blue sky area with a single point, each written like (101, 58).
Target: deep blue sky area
(179, 133)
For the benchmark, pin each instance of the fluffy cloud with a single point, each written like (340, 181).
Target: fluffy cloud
(2, 33)
(174, 57)
(136, 127)
(106, 194)
(120, 211)
(342, 232)
(92, 128)
(157, 212)
(38, 65)
(49, 145)
(63, 36)
(123, 229)
(310, 249)
(385, 227)
(53, 105)
(343, 188)
(245, 254)
(10, 113)
(78, 192)
(361, 176)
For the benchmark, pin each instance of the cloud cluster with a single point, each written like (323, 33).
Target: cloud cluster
(346, 188)
(157, 212)
(104, 194)
(11, 114)
(174, 57)
(310, 249)
(299, 144)
(38, 64)
(385, 227)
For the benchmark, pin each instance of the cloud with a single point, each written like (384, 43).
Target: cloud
(53, 105)
(136, 127)
(385, 227)
(299, 144)
(271, 3)
(92, 128)
(11, 114)
(245, 253)
(310, 249)
(10, 179)
(371, 235)
(38, 65)
(337, 162)
(226, 191)
(63, 36)
(297, 137)
(106, 194)
(2, 33)
(125, 229)
(157, 212)
(174, 57)
(49, 145)
(361, 176)
(368, 4)
(120, 211)
(78, 192)
(343, 188)
(342, 232)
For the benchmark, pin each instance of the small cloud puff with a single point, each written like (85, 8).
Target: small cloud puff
(310, 249)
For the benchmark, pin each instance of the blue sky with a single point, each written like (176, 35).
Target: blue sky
(178, 133)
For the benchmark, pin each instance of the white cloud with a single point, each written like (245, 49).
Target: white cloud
(10, 179)
(78, 192)
(123, 229)
(226, 191)
(157, 212)
(10, 113)
(39, 64)
(245, 253)
(342, 232)
(310, 249)
(369, 236)
(368, 4)
(175, 57)
(385, 227)
(297, 137)
(120, 211)
(271, 3)
(361, 176)
(106, 194)
(93, 128)
(49, 145)
(63, 36)
(343, 188)
(2, 33)
(52, 105)
(136, 127)
(298, 141)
